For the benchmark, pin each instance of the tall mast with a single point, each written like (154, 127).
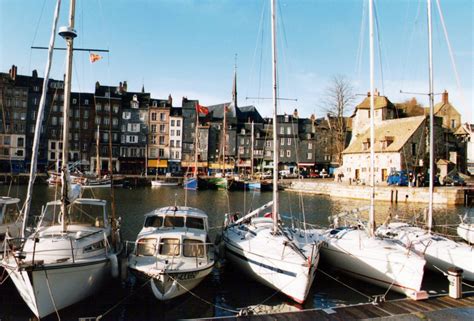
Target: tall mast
(39, 120)
(224, 125)
(196, 143)
(68, 34)
(97, 169)
(275, 127)
(430, 95)
(251, 148)
(372, 123)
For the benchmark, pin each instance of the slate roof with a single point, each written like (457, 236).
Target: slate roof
(400, 130)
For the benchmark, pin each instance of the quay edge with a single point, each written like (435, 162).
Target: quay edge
(455, 195)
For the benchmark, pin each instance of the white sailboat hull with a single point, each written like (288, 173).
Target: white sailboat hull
(271, 261)
(440, 252)
(376, 261)
(466, 231)
(52, 288)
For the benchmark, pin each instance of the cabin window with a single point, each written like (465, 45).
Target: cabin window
(169, 247)
(154, 221)
(146, 247)
(193, 248)
(11, 214)
(174, 221)
(195, 222)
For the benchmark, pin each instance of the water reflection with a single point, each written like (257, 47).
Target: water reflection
(226, 290)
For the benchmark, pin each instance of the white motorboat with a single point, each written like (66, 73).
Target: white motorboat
(280, 257)
(160, 182)
(173, 251)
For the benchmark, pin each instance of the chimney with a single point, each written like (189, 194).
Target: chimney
(34, 73)
(125, 86)
(97, 85)
(170, 100)
(120, 88)
(295, 113)
(376, 93)
(445, 97)
(368, 94)
(13, 72)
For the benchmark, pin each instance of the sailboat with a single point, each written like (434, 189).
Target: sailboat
(275, 255)
(355, 250)
(440, 252)
(71, 252)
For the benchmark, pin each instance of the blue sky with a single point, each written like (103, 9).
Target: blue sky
(188, 48)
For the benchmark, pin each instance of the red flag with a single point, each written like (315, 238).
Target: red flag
(94, 57)
(201, 109)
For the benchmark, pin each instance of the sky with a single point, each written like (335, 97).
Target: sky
(192, 47)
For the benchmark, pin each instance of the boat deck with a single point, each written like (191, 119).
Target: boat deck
(434, 308)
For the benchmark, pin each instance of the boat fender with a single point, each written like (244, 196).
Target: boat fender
(114, 262)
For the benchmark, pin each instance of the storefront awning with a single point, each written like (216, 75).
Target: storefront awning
(160, 163)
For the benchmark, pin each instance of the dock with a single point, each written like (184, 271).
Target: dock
(440, 307)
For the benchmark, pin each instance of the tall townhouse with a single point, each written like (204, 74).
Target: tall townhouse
(176, 139)
(158, 146)
(107, 125)
(134, 131)
(288, 141)
(13, 108)
(82, 130)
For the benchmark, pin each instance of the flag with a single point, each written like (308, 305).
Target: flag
(94, 57)
(201, 109)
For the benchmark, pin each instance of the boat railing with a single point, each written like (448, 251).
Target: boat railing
(14, 247)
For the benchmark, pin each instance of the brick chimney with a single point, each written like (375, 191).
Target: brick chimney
(13, 72)
(170, 100)
(125, 86)
(445, 97)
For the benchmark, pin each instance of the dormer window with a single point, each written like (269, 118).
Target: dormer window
(242, 131)
(386, 141)
(134, 102)
(155, 104)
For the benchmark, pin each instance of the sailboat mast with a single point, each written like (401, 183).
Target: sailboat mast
(252, 142)
(372, 122)
(97, 169)
(39, 121)
(69, 34)
(275, 127)
(431, 102)
(196, 142)
(224, 139)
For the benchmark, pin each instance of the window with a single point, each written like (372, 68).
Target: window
(172, 122)
(86, 114)
(115, 109)
(126, 115)
(310, 156)
(413, 149)
(77, 124)
(153, 221)
(453, 123)
(288, 130)
(153, 128)
(310, 145)
(282, 142)
(169, 246)
(20, 142)
(282, 153)
(74, 101)
(171, 143)
(289, 141)
(178, 122)
(193, 248)
(162, 128)
(178, 144)
(153, 116)
(162, 116)
(134, 128)
(162, 140)
(115, 121)
(54, 121)
(161, 152)
(146, 247)
(174, 221)
(288, 153)
(282, 130)
(86, 102)
(6, 140)
(98, 107)
(97, 120)
(178, 133)
(172, 132)
(107, 107)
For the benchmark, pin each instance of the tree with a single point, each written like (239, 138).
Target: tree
(339, 96)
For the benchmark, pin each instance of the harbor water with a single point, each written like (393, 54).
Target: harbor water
(226, 290)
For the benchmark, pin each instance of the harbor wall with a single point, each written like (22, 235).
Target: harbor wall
(442, 195)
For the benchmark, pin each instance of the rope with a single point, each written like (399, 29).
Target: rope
(51, 295)
(120, 302)
(199, 298)
(349, 287)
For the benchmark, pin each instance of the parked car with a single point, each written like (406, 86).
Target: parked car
(314, 174)
(399, 178)
(454, 180)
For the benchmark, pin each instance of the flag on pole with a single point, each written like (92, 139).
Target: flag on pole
(94, 57)
(201, 109)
